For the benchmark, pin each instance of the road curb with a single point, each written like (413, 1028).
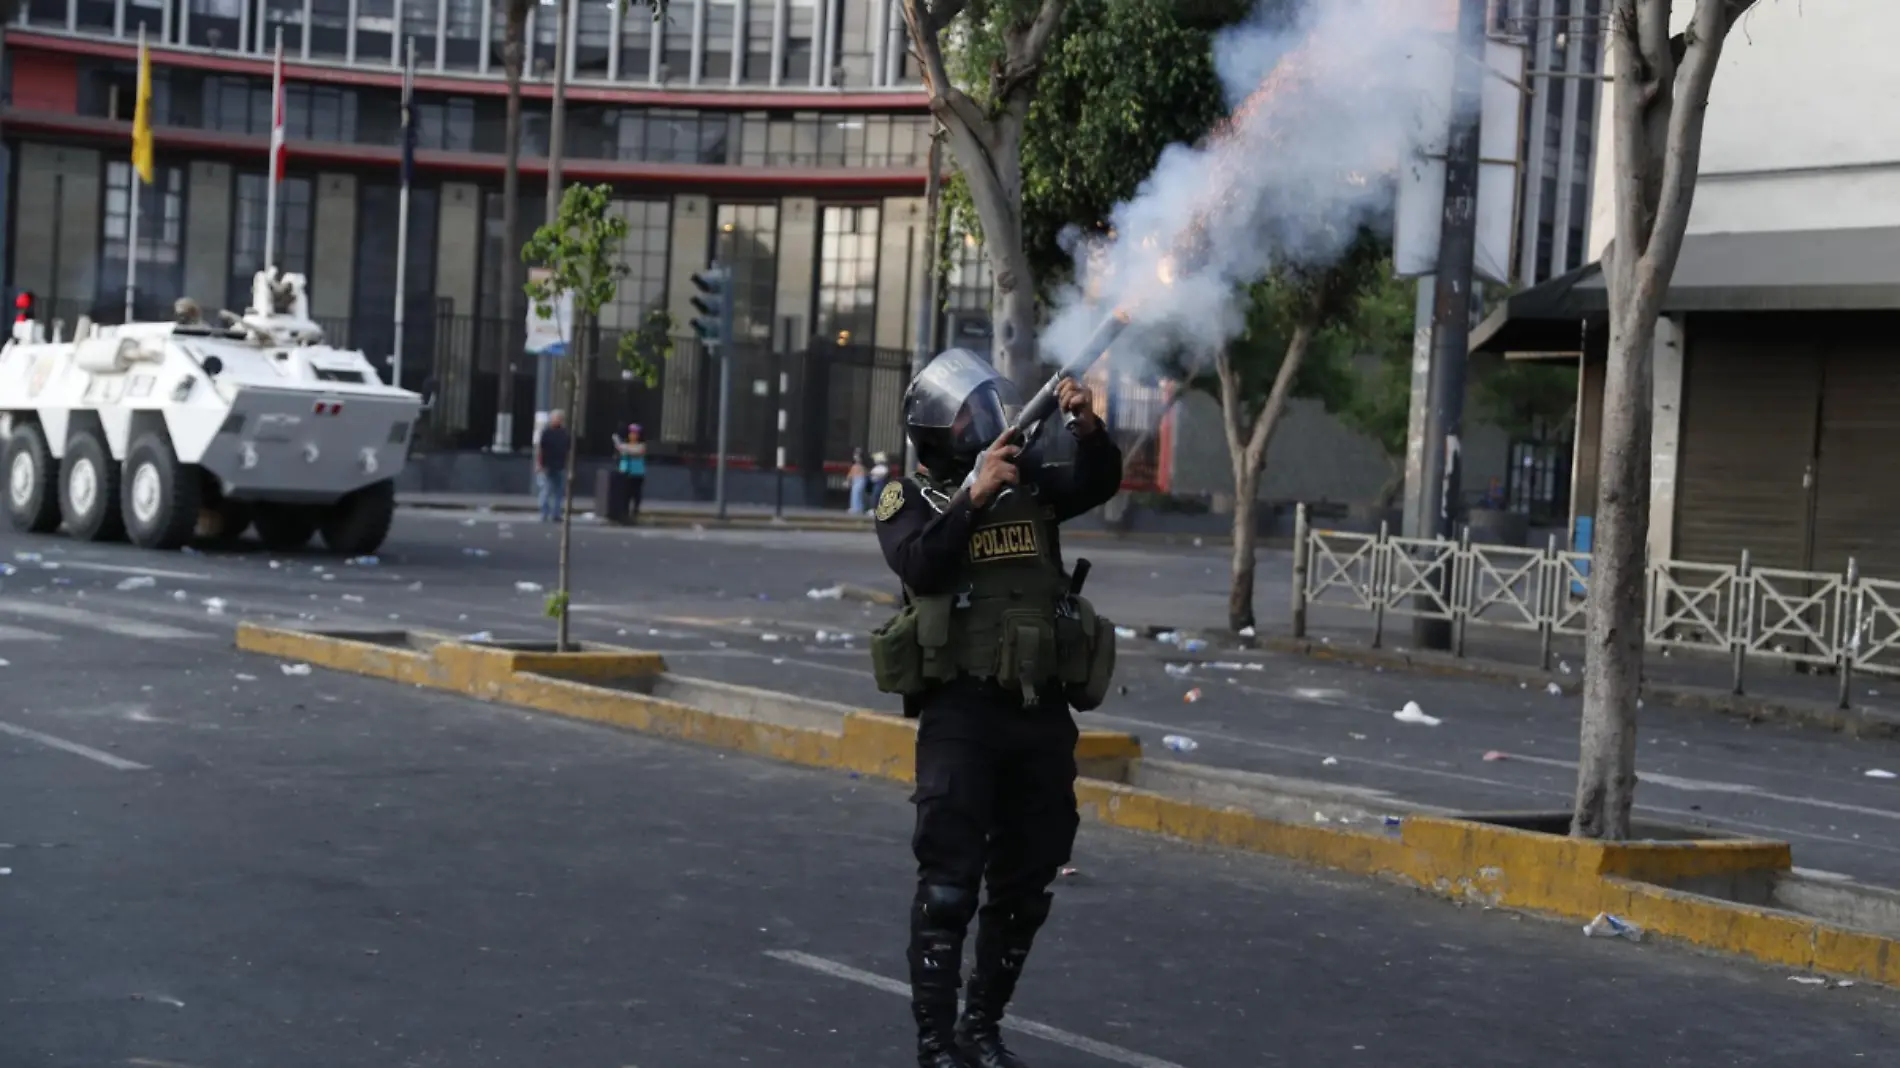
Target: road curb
(1858, 723)
(1500, 861)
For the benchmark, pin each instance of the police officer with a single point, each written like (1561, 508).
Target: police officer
(974, 531)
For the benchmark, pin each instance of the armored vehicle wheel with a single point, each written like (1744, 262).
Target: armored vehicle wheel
(32, 481)
(89, 489)
(358, 523)
(283, 527)
(161, 495)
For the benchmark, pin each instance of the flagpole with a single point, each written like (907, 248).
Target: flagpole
(132, 221)
(402, 207)
(276, 119)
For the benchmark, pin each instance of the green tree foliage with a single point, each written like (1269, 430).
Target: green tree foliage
(580, 249)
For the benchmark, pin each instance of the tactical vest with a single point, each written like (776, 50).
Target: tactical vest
(1011, 617)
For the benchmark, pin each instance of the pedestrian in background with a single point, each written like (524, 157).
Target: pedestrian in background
(633, 469)
(880, 473)
(859, 480)
(550, 465)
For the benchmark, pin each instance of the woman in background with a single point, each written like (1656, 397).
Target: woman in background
(859, 480)
(633, 468)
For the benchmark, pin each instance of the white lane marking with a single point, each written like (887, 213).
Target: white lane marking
(1703, 786)
(79, 617)
(74, 748)
(127, 569)
(22, 634)
(1027, 1027)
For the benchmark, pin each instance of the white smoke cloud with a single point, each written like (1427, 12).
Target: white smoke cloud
(1327, 107)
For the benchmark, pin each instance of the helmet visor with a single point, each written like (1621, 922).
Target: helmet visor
(979, 422)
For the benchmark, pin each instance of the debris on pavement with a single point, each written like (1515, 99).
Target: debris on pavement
(1232, 665)
(1246, 632)
(28, 558)
(1193, 645)
(1563, 666)
(1068, 873)
(1411, 713)
(473, 551)
(247, 678)
(364, 561)
(829, 593)
(478, 636)
(1177, 670)
(1320, 817)
(1125, 632)
(214, 605)
(1878, 773)
(768, 637)
(1818, 980)
(1355, 736)
(1180, 743)
(1192, 695)
(528, 587)
(137, 582)
(1554, 690)
(1330, 761)
(1494, 755)
(1168, 637)
(180, 595)
(295, 669)
(1609, 926)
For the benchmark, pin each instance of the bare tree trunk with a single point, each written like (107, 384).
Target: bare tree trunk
(1246, 537)
(512, 48)
(577, 390)
(1660, 95)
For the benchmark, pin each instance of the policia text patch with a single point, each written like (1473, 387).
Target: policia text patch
(1004, 541)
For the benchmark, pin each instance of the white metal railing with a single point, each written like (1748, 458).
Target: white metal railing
(1836, 620)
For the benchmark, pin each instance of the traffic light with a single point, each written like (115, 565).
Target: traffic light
(23, 306)
(713, 324)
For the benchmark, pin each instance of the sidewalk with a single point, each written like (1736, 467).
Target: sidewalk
(697, 511)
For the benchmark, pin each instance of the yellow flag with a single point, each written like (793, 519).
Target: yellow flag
(142, 117)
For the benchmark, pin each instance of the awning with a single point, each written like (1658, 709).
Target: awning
(1774, 271)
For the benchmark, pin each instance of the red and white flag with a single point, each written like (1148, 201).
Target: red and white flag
(278, 152)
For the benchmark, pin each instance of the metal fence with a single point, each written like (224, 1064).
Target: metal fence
(1839, 621)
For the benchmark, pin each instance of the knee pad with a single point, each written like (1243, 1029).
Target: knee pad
(941, 905)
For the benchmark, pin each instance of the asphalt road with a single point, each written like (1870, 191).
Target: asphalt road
(207, 863)
(735, 605)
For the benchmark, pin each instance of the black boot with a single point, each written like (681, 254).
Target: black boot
(1003, 937)
(938, 919)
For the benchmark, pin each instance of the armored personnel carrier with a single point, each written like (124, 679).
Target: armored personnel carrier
(161, 432)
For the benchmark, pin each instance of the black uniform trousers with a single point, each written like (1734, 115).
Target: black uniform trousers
(995, 790)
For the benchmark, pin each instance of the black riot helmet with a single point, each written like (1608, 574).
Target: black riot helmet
(954, 409)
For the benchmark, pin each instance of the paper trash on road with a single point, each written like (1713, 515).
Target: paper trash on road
(1494, 755)
(1554, 690)
(1563, 666)
(295, 669)
(1168, 637)
(528, 587)
(28, 558)
(353, 598)
(1192, 695)
(1126, 632)
(1608, 926)
(214, 605)
(1180, 743)
(1411, 713)
(1177, 670)
(364, 561)
(478, 636)
(1808, 980)
(1330, 761)
(137, 582)
(1877, 773)
(829, 593)
(1246, 632)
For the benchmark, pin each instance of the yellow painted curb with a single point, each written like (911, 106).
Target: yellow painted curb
(1649, 883)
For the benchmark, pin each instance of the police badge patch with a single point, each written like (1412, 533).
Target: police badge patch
(890, 500)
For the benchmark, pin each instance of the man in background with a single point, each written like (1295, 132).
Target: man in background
(550, 465)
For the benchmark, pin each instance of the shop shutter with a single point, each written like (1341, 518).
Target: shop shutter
(1751, 387)
(1857, 498)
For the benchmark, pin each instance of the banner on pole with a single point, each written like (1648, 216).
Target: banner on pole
(547, 335)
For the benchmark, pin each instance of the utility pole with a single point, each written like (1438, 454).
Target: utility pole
(927, 307)
(1439, 486)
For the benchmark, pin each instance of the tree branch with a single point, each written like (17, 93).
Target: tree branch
(1682, 157)
(950, 104)
(1230, 410)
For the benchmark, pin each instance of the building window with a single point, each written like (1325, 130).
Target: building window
(721, 17)
(747, 241)
(760, 18)
(801, 28)
(214, 24)
(847, 275)
(967, 283)
(676, 62)
(644, 287)
(637, 26)
(161, 232)
(462, 38)
(857, 27)
(247, 230)
(594, 37)
(447, 125)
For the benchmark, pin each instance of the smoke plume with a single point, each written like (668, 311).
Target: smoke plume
(1325, 108)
